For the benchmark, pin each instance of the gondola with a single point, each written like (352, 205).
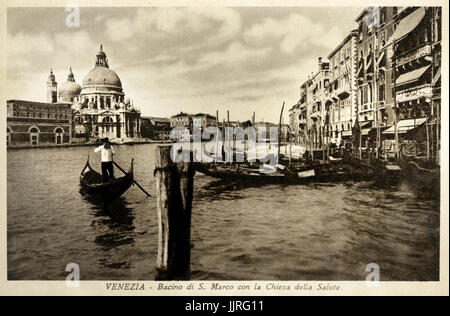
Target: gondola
(92, 184)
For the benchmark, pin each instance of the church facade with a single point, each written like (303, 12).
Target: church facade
(99, 106)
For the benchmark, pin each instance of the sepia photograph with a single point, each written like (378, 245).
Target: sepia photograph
(225, 143)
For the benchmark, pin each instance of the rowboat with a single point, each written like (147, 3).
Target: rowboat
(92, 184)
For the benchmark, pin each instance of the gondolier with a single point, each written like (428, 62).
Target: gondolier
(107, 153)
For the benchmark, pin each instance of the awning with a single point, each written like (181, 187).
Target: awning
(411, 76)
(437, 76)
(407, 25)
(346, 133)
(404, 126)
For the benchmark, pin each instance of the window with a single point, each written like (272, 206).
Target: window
(381, 93)
(383, 16)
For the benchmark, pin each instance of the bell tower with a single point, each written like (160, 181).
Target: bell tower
(52, 88)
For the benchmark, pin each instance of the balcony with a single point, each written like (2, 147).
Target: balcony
(415, 93)
(414, 54)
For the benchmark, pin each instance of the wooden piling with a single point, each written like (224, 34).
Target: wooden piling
(174, 187)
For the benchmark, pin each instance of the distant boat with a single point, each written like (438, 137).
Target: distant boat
(92, 183)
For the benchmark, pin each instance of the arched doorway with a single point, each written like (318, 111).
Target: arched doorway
(59, 135)
(34, 135)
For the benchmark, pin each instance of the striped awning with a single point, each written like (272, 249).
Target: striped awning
(403, 126)
(407, 25)
(411, 76)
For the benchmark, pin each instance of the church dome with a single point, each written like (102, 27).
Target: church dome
(102, 76)
(69, 89)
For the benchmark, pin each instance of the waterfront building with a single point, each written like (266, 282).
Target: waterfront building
(187, 121)
(340, 105)
(302, 114)
(38, 123)
(375, 100)
(156, 128)
(386, 75)
(316, 96)
(100, 109)
(414, 77)
(298, 117)
(181, 120)
(204, 120)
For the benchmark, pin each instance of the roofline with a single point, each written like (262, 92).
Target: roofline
(364, 12)
(37, 102)
(353, 33)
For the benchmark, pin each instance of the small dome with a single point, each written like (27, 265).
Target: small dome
(69, 90)
(102, 76)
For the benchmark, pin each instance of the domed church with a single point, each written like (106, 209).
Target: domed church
(99, 106)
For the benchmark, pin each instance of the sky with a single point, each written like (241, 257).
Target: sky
(172, 59)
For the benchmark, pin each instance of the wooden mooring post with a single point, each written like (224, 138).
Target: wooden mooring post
(174, 187)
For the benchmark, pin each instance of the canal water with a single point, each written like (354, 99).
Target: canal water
(293, 232)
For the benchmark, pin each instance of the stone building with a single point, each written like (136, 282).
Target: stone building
(182, 123)
(38, 123)
(341, 97)
(156, 128)
(375, 99)
(316, 97)
(416, 71)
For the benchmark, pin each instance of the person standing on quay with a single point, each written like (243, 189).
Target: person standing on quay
(107, 153)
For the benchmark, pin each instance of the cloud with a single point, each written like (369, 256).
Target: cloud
(293, 32)
(235, 55)
(23, 48)
(172, 24)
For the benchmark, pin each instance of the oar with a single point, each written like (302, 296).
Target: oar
(139, 186)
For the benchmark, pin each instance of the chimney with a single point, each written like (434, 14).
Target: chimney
(320, 63)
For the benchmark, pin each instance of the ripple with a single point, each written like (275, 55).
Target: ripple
(241, 231)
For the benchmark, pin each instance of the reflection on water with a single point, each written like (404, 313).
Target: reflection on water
(240, 230)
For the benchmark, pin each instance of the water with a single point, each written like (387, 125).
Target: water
(295, 232)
